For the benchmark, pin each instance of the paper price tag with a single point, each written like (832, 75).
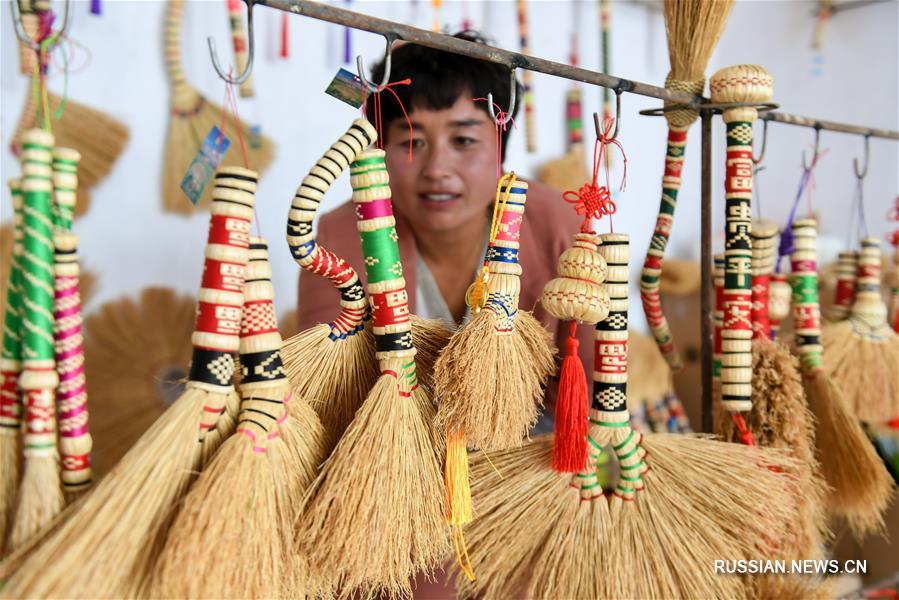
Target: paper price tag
(204, 164)
(347, 87)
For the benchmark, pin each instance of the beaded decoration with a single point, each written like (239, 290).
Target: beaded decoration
(741, 83)
(303, 246)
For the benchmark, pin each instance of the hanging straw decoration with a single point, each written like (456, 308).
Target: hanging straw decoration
(75, 441)
(233, 536)
(108, 545)
(10, 370)
(527, 79)
(693, 28)
(847, 267)
(40, 492)
(385, 469)
(191, 119)
(333, 365)
(549, 535)
(861, 353)
(849, 463)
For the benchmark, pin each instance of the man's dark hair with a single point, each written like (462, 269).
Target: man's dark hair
(439, 78)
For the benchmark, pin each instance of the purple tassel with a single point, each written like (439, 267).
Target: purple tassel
(95, 7)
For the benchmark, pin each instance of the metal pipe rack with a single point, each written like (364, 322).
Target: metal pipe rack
(514, 60)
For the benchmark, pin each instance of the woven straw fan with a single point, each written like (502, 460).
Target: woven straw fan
(192, 117)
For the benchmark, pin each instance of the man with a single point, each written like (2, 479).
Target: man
(443, 196)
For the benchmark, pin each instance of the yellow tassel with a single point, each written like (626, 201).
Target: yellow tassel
(458, 493)
(476, 295)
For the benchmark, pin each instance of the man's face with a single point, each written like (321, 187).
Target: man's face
(451, 179)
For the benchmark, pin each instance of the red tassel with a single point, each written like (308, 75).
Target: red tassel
(570, 442)
(285, 42)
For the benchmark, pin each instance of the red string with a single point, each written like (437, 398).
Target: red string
(500, 123)
(592, 200)
(378, 123)
(231, 102)
(810, 185)
(285, 38)
(893, 215)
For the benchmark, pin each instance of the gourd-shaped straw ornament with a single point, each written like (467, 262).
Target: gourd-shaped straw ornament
(780, 418)
(693, 28)
(10, 370)
(233, 536)
(577, 295)
(75, 441)
(333, 365)
(558, 536)
(844, 294)
(40, 496)
(107, 546)
(375, 514)
(738, 84)
(861, 353)
(849, 463)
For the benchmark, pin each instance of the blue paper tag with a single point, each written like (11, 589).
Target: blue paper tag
(204, 164)
(347, 87)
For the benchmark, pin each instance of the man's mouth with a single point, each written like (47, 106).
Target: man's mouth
(439, 197)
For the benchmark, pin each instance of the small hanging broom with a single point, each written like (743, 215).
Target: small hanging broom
(679, 502)
(847, 268)
(192, 118)
(861, 353)
(106, 547)
(75, 441)
(693, 28)
(334, 364)
(40, 492)
(849, 463)
(233, 536)
(375, 514)
(10, 369)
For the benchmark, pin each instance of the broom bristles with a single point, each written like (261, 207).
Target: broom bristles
(40, 498)
(9, 481)
(375, 514)
(693, 28)
(185, 134)
(861, 485)
(106, 547)
(491, 385)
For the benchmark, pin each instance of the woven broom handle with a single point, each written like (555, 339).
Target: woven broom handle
(75, 441)
(718, 317)
(869, 305)
(527, 80)
(610, 366)
(39, 378)
(574, 122)
(742, 83)
(504, 283)
(172, 41)
(764, 254)
(303, 246)
(220, 303)
(65, 186)
(11, 357)
(847, 267)
(650, 278)
(386, 287)
(806, 311)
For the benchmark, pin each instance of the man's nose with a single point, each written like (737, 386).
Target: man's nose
(438, 162)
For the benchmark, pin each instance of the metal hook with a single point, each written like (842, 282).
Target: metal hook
(23, 35)
(596, 126)
(860, 174)
(761, 155)
(248, 70)
(805, 164)
(513, 87)
(372, 88)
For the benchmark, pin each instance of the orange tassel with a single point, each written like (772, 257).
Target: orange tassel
(570, 443)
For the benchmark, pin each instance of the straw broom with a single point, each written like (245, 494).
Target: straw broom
(233, 536)
(693, 28)
(849, 463)
(861, 353)
(75, 441)
(40, 494)
(680, 502)
(192, 118)
(106, 548)
(375, 514)
(10, 369)
(334, 364)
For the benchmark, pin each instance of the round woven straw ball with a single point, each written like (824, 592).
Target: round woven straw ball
(582, 261)
(574, 300)
(779, 294)
(741, 83)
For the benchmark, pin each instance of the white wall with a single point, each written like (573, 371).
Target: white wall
(131, 244)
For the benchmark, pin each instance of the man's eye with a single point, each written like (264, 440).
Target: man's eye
(464, 141)
(417, 143)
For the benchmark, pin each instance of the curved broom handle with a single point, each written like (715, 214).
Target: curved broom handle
(354, 310)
